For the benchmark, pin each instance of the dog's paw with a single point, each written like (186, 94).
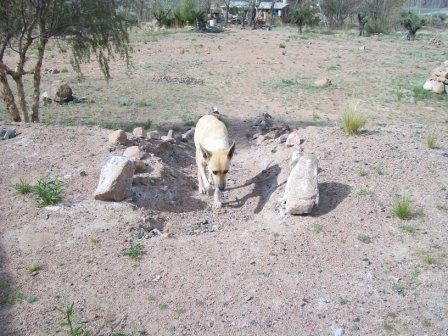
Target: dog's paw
(217, 204)
(202, 190)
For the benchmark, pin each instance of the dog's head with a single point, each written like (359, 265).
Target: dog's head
(218, 164)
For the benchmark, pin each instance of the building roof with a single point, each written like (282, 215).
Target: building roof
(268, 5)
(238, 4)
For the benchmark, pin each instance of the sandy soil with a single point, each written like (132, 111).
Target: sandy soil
(246, 269)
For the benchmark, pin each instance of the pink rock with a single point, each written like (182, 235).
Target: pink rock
(294, 140)
(139, 132)
(118, 137)
(134, 152)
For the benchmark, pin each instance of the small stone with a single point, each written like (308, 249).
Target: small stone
(155, 135)
(140, 166)
(438, 87)
(169, 137)
(188, 134)
(82, 173)
(260, 139)
(139, 132)
(294, 139)
(362, 47)
(337, 331)
(248, 298)
(118, 137)
(322, 82)
(282, 138)
(134, 152)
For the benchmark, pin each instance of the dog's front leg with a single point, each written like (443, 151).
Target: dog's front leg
(217, 198)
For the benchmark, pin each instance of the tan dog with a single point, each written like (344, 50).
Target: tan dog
(213, 153)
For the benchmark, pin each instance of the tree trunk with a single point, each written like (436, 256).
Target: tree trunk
(300, 29)
(22, 98)
(36, 81)
(8, 97)
(227, 12)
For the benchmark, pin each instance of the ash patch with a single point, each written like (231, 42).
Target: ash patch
(178, 80)
(202, 226)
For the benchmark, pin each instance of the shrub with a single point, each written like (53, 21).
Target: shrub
(402, 207)
(47, 191)
(135, 251)
(23, 187)
(411, 22)
(304, 14)
(353, 120)
(431, 141)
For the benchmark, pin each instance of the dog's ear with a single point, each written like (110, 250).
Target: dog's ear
(205, 153)
(231, 151)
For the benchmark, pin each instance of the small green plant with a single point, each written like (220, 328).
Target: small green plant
(363, 172)
(426, 323)
(276, 235)
(47, 191)
(180, 311)
(431, 141)
(144, 103)
(188, 119)
(94, 240)
(282, 45)
(151, 298)
(402, 207)
(408, 229)
(365, 239)
(379, 170)
(442, 207)
(316, 229)
(34, 268)
(163, 306)
(399, 287)
(135, 251)
(365, 192)
(125, 101)
(72, 324)
(353, 120)
(23, 187)
(343, 301)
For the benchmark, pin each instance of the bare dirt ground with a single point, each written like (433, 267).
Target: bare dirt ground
(350, 267)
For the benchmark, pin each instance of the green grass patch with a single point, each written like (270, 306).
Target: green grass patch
(135, 251)
(442, 207)
(188, 119)
(353, 120)
(365, 192)
(23, 187)
(33, 268)
(420, 93)
(47, 191)
(363, 172)
(408, 229)
(402, 207)
(365, 239)
(431, 140)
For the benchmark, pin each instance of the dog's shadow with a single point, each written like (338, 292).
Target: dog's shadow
(264, 184)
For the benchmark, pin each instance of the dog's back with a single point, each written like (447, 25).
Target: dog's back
(211, 133)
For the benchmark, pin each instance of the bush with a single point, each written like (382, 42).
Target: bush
(411, 22)
(377, 26)
(304, 14)
(47, 191)
(402, 207)
(353, 120)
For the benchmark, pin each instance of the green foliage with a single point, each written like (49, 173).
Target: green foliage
(402, 207)
(135, 251)
(23, 187)
(72, 324)
(377, 26)
(431, 140)
(365, 239)
(408, 229)
(366, 192)
(420, 93)
(353, 120)
(304, 14)
(34, 268)
(47, 191)
(411, 22)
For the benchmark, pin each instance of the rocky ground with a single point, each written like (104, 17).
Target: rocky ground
(348, 268)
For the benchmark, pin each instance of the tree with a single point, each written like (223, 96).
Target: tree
(304, 14)
(362, 20)
(91, 28)
(411, 22)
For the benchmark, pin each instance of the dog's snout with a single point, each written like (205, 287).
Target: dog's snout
(222, 187)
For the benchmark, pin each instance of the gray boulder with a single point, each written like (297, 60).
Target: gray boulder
(115, 179)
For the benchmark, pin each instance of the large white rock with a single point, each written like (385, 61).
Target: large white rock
(428, 85)
(302, 191)
(115, 179)
(438, 87)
